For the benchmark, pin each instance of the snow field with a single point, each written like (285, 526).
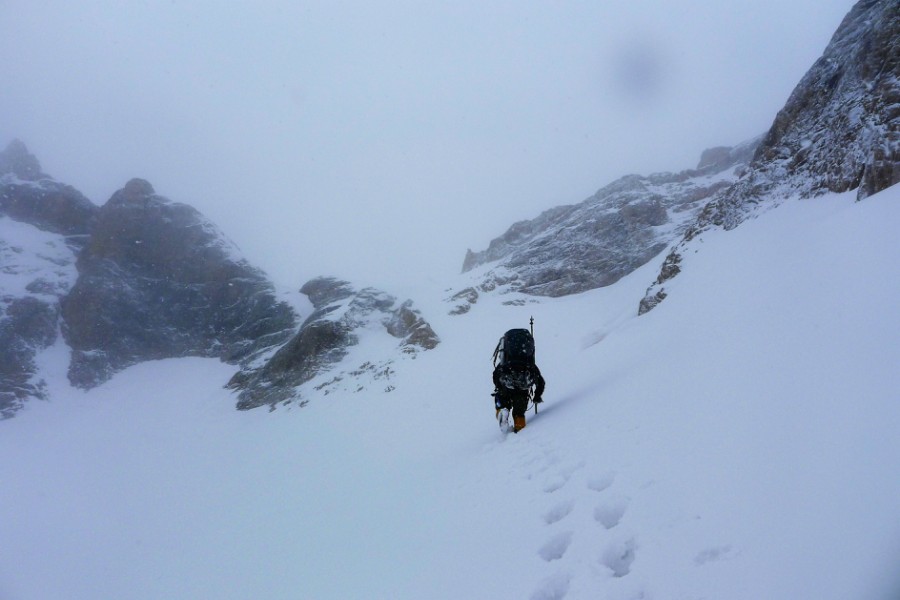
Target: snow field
(739, 441)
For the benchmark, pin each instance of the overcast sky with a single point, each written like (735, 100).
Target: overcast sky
(378, 140)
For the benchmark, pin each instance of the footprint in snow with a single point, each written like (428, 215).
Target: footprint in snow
(554, 483)
(554, 587)
(618, 557)
(555, 548)
(559, 511)
(609, 512)
(562, 477)
(602, 482)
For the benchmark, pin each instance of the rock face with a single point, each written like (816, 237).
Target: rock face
(37, 269)
(571, 249)
(44, 223)
(838, 131)
(158, 280)
(16, 160)
(144, 278)
(27, 195)
(343, 316)
(141, 278)
(28, 326)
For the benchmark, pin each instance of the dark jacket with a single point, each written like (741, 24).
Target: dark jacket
(502, 371)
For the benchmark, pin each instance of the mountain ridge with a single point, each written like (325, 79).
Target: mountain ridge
(156, 279)
(839, 130)
(144, 278)
(570, 249)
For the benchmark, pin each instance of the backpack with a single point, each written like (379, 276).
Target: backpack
(514, 356)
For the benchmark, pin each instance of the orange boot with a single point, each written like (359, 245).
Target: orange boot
(518, 423)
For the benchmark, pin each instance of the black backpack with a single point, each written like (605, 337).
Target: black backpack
(514, 356)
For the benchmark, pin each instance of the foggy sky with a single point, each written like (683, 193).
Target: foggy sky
(378, 140)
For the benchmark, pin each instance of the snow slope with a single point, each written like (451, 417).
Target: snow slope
(740, 442)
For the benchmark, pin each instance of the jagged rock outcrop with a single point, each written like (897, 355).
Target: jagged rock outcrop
(158, 280)
(30, 196)
(28, 325)
(18, 161)
(342, 317)
(838, 131)
(571, 249)
(44, 223)
(144, 278)
(154, 279)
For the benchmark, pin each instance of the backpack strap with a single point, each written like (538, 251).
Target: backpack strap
(497, 350)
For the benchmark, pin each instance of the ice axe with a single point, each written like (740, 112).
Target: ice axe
(531, 325)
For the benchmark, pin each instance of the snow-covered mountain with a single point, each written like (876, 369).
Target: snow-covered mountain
(738, 441)
(838, 131)
(156, 279)
(144, 278)
(571, 249)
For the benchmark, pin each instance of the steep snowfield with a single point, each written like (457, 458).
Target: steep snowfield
(740, 441)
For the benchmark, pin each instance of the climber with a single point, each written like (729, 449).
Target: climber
(515, 373)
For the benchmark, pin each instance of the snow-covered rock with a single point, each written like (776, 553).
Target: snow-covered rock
(838, 131)
(343, 318)
(16, 160)
(155, 279)
(43, 224)
(140, 278)
(37, 268)
(30, 196)
(571, 249)
(158, 280)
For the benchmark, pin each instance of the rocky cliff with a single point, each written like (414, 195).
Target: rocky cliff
(343, 318)
(571, 249)
(158, 280)
(45, 223)
(30, 196)
(37, 269)
(838, 131)
(137, 279)
(144, 278)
